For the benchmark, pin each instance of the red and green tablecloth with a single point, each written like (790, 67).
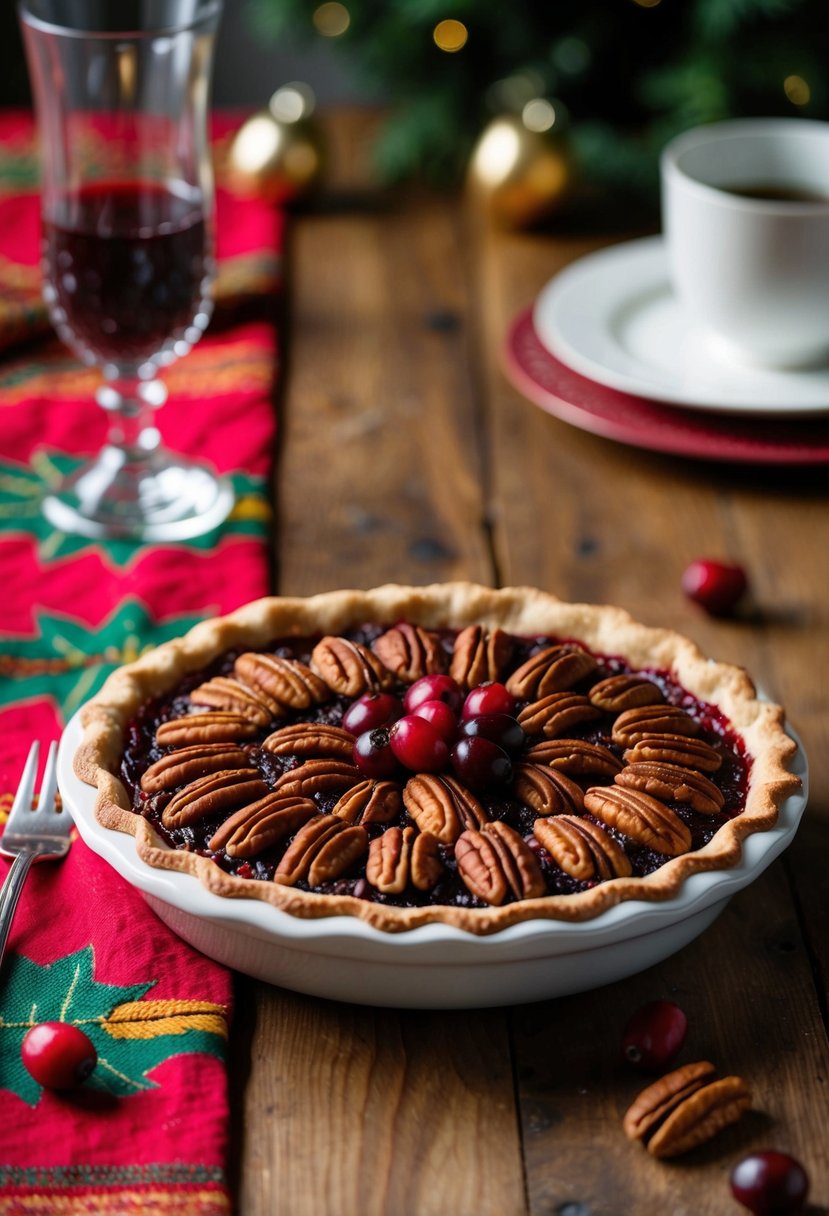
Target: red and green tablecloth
(149, 1132)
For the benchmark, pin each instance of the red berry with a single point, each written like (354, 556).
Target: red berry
(481, 764)
(371, 710)
(500, 728)
(770, 1183)
(490, 698)
(58, 1055)
(439, 715)
(418, 745)
(654, 1035)
(715, 586)
(373, 755)
(433, 688)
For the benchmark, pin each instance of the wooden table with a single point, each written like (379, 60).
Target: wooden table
(423, 464)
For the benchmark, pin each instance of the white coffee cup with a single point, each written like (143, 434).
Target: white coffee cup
(753, 271)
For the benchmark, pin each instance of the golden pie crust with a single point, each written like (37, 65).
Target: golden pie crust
(521, 611)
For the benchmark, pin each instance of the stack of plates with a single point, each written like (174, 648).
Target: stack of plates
(608, 348)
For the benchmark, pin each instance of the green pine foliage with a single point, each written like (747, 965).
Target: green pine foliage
(627, 74)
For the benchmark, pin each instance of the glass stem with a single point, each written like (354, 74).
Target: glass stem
(131, 404)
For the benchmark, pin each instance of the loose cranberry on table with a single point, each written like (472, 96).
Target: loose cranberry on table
(716, 586)
(770, 1183)
(499, 728)
(433, 688)
(58, 1055)
(481, 764)
(441, 717)
(371, 710)
(489, 698)
(373, 755)
(654, 1035)
(417, 745)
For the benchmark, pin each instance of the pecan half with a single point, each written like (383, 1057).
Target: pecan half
(575, 757)
(287, 681)
(676, 749)
(312, 739)
(645, 720)
(442, 806)
(214, 727)
(685, 1108)
(546, 790)
(349, 667)
(223, 692)
(557, 714)
(618, 693)
(673, 784)
(556, 669)
(215, 794)
(188, 763)
(369, 802)
(410, 652)
(402, 856)
(496, 864)
(252, 829)
(639, 816)
(321, 850)
(581, 848)
(480, 655)
(319, 777)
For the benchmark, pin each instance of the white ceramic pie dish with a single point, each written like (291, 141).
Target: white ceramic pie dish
(434, 966)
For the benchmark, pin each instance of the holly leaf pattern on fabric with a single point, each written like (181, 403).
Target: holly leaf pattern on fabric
(69, 660)
(23, 486)
(132, 1036)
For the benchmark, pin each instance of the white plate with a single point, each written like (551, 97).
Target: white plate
(613, 317)
(433, 966)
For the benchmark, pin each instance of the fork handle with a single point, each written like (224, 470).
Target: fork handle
(10, 894)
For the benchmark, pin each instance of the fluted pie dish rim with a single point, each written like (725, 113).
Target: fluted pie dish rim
(521, 611)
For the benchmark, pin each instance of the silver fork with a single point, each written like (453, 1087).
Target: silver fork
(31, 835)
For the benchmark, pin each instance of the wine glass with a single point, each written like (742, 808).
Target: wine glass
(121, 95)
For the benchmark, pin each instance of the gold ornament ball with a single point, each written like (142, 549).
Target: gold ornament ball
(521, 175)
(277, 153)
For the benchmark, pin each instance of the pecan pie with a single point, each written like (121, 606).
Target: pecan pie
(447, 753)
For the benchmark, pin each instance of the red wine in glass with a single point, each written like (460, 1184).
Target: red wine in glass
(127, 268)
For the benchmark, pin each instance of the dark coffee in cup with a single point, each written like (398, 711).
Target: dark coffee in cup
(779, 193)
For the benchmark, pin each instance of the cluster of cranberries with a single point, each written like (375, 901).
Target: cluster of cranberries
(436, 728)
(768, 1182)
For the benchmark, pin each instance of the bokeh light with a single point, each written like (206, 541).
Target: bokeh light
(292, 102)
(797, 90)
(450, 35)
(538, 115)
(331, 19)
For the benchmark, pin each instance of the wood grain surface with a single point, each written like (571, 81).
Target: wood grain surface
(406, 456)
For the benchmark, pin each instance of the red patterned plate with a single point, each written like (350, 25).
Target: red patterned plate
(647, 424)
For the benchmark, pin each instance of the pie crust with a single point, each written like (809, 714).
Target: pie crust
(521, 611)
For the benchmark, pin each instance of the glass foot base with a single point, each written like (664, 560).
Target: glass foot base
(157, 496)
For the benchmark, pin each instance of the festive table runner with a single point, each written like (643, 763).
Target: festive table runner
(148, 1131)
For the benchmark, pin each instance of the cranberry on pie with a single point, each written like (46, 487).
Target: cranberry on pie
(446, 753)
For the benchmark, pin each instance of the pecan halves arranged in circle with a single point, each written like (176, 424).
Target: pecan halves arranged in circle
(403, 857)
(319, 777)
(556, 669)
(215, 794)
(621, 692)
(349, 668)
(684, 1109)
(188, 763)
(575, 757)
(286, 681)
(480, 655)
(645, 720)
(557, 714)
(640, 817)
(442, 806)
(214, 726)
(369, 802)
(224, 692)
(497, 864)
(321, 850)
(410, 652)
(257, 827)
(315, 740)
(676, 749)
(547, 791)
(581, 848)
(672, 783)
